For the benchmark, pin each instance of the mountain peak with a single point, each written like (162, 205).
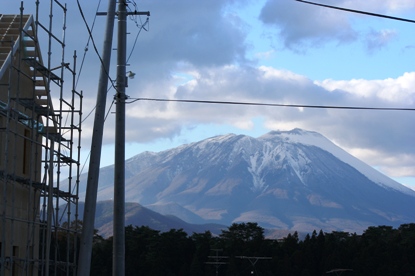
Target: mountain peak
(295, 180)
(295, 131)
(297, 135)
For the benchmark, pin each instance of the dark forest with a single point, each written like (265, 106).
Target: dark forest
(242, 249)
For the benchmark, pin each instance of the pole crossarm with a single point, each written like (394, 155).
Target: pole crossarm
(253, 260)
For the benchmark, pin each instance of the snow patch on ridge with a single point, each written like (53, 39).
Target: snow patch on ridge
(299, 162)
(275, 154)
(202, 145)
(258, 162)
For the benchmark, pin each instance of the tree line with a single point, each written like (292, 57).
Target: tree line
(242, 249)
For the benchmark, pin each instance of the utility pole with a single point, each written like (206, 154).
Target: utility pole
(85, 250)
(118, 256)
(218, 260)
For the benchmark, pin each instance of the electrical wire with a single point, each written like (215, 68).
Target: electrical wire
(93, 42)
(272, 104)
(91, 38)
(357, 11)
(87, 45)
(82, 63)
(140, 26)
(89, 153)
(136, 38)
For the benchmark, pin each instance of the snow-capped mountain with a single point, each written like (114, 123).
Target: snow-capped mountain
(295, 180)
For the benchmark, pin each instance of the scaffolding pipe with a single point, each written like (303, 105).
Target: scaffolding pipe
(27, 116)
(49, 211)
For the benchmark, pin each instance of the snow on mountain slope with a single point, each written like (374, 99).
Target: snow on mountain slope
(253, 151)
(269, 150)
(315, 139)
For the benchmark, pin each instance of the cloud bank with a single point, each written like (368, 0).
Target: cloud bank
(198, 50)
(383, 137)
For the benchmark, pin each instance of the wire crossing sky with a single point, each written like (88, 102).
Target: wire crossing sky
(132, 100)
(357, 11)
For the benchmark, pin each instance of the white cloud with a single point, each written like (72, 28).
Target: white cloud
(387, 91)
(399, 165)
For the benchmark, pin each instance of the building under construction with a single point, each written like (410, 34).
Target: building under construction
(40, 131)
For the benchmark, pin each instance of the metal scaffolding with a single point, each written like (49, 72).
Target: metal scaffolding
(40, 143)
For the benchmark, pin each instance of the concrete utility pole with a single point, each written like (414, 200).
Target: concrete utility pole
(84, 262)
(85, 250)
(118, 255)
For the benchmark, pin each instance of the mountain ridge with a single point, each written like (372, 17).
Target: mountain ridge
(295, 180)
(138, 215)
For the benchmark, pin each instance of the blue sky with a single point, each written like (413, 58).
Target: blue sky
(271, 51)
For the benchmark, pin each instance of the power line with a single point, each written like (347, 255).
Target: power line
(357, 11)
(89, 153)
(93, 42)
(87, 44)
(134, 15)
(136, 38)
(272, 104)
